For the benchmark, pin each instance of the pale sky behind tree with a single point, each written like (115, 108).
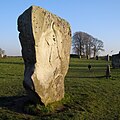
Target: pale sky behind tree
(99, 18)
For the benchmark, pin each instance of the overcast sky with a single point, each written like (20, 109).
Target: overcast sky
(99, 18)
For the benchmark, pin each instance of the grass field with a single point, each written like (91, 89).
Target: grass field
(88, 94)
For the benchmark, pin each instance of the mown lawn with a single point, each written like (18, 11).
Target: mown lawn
(88, 94)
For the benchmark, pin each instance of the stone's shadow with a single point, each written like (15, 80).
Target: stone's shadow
(22, 104)
(14, 103)
(12, 63)
(2, 77)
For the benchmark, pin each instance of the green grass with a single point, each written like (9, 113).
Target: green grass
(88, 94)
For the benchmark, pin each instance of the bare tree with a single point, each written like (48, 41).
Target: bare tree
(98, 46)
(88, 44)
(77, 43)
(85, 44)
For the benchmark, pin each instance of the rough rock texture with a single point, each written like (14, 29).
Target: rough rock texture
(46, 41)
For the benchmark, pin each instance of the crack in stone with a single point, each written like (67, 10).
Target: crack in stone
(47, 42)
(50, 56)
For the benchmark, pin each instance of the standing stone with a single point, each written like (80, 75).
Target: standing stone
(116, 60)
(88, 57)
(80, 56)
(108, 73)
(107, 57)
(97, 57)
(89, 66)
(46, 41)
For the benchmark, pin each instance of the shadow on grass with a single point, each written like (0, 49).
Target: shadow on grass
(13, 103)
(12, 63)
(23, 105)
(2, 77)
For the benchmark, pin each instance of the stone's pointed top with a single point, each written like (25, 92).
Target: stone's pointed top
(34, 7)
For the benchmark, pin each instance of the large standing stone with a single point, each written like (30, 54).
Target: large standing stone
(46, 41)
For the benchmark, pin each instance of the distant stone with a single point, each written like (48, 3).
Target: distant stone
(97, 57)
(46, 41)
(89, 66)
(88, 57)
(116, 60)
(108, 72)
(107, 58)
(80, 56)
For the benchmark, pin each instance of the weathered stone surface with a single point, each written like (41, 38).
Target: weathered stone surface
(46, 41)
